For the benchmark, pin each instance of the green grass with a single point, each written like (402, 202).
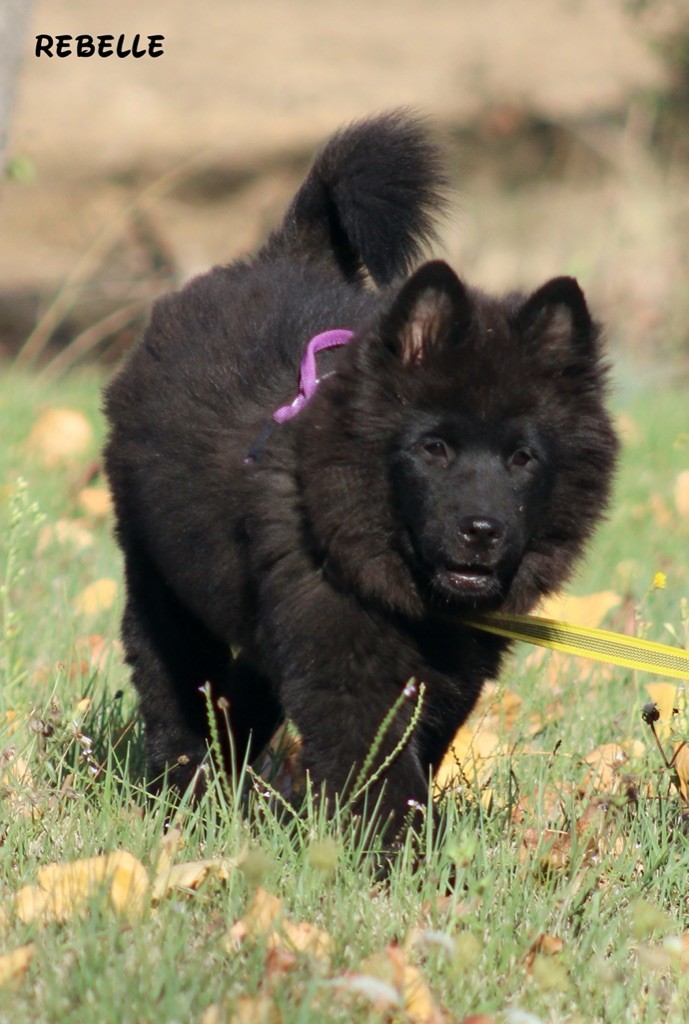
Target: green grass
(618, 902)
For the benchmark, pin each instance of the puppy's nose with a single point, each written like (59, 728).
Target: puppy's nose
(476, 530)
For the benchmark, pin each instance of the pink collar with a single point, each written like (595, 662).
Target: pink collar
(308, 378)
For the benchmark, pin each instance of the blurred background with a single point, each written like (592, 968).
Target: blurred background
(565, 124)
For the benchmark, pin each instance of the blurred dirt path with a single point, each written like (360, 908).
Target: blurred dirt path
(257, 74)
(241, 86)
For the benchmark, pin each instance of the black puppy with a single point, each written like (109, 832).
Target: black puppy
(455, 457)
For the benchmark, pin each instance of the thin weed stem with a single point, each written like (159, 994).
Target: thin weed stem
(361, 786)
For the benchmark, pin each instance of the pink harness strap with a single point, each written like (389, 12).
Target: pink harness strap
(308, 372)
(308, 382)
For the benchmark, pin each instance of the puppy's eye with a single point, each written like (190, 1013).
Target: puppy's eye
(523, 457)
(436, 448)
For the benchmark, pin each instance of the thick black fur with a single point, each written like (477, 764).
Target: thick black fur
(458, 458)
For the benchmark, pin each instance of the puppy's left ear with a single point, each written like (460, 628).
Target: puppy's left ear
(429, 312)
(556, 320)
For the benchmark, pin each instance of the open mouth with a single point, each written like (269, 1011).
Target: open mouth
(467, 581)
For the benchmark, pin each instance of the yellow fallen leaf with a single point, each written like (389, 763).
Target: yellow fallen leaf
(60, 435)
(171, 843)
(255, 1010)
(682, 494)
(29, 903)
(552, 846)
(589, 611)
(16, 773)
(304, 938)
(672, 708)
(189, 875)
(469, 760)
(264, 911)
(11, 722)
(391, 967)
(660, 510)
(213, 1014)
(664, 696)
(95, 502)
(96, 650)
(607, 760)
(543, 945)
(63, 889)
(97, 597)
(15, 963)
(419, 1003)
(128, 884)
(263, 914)
(265, 919)
(628, 429)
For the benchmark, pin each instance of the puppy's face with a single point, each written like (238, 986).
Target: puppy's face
(503, 461)
(469, 497)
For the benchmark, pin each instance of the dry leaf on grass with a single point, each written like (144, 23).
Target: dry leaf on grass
(265, 919)
(15, 963)
(682, 494)
(14, 771)
(391, 969)
(665, 697)
(96, 650)
(548, 849)
(95, 502)
(302, 937)
(662, 514)
(607, 762)
(670, 701)
(543, 945)
(589, 610)
(188, 876)
(547, 805)
(255, 1010)
(628, 429)
(214, 1014)
(264, 911)
(12, 722)
(543, 965)
(99, 596)
(470, 759)
(65, 889)
(60, 435)
(17, 786)
(246, 1010)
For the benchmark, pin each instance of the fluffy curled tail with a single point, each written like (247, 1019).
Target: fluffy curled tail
(369, 200)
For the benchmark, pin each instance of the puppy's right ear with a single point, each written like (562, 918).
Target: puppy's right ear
(431, 312)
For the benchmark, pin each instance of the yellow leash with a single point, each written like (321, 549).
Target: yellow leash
(585, 642)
